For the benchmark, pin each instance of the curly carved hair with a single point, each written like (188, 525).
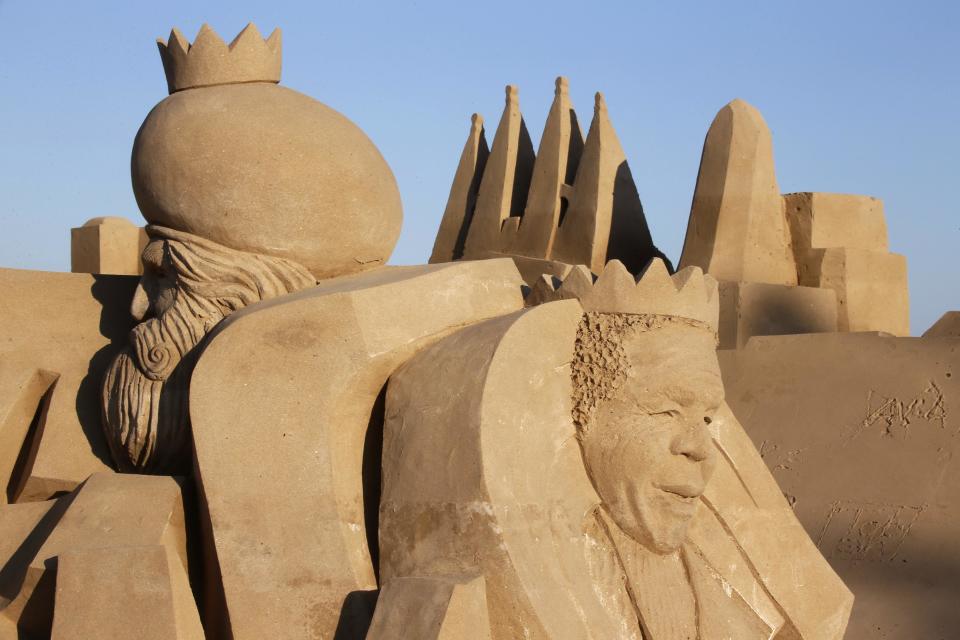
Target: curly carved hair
(600, 364)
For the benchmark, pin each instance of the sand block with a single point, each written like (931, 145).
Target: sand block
(22, 528)
(871, 287)
(108, 245)
(450, 608)
(948, 326)
(827, 220)
(861, 433)
(738, 230)
(287, 441)
(758, 309)
(70, 325)
(140, 593)
(108, 510)
(17, 522)
(24, 394)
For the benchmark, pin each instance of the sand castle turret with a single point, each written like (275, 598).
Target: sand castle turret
(574, 202)
(738, 230)
(761, 245)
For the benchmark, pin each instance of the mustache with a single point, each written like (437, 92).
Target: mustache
(159, 344)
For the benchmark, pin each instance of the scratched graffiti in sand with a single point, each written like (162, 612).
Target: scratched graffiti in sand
(893, 417)
(866, 532)
(778, 458)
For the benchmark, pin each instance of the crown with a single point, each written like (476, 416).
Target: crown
(209, 60)
(689, 293)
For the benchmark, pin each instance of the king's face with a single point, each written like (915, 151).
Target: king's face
(157, 290)
(648, 449)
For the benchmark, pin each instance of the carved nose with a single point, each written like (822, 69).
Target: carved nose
(141, 303)
(694, 443)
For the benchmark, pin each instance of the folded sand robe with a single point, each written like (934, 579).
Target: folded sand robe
(489, 480)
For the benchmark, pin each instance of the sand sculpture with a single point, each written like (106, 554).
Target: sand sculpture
(534, 436)
(597, 484)
(573, 202)
(793, 263)
(761, 246)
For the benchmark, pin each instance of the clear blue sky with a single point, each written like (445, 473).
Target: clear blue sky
(862, 97)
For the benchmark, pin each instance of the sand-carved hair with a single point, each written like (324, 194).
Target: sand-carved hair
(600, 364)
(144, 394)
(212, 281)
(617, 304)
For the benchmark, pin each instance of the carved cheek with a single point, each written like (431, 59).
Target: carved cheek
(709, 465)
(165, 295)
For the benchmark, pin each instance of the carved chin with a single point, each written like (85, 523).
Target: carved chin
(655, 519)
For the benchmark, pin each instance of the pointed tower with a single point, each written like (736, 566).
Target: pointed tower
(605, 219)
(505, 183)
(452, 234)
(553, 175)
(738, 229)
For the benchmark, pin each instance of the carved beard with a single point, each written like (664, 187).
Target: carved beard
(145, 392)
(144, 397)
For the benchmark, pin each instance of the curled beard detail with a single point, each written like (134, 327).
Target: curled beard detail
(146, 421)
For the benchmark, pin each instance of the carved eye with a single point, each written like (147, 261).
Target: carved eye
(707, 419)
(670, 413)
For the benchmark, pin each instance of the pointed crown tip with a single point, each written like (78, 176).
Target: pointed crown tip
(210, 61)
(686, 294)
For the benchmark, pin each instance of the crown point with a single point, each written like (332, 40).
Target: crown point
(614, 290)
(577, 283)
(476, 120)
(543, 290)
(687, 275)
(656, 289)
(657, 269)
(177, 42)
(208, 42)
(562, 86)
(513, 93)
(249, 32)
(688, 294)
(273, 40)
